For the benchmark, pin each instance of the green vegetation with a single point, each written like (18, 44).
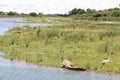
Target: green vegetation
(50, 20)
(83, 42)
(31, 14)
(15, 14)
(112, 14)
(78, 38)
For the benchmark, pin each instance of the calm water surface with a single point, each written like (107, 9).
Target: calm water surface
(8, 23)
(20, 70)
(109, 23)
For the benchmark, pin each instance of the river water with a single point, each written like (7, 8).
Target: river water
(20, 70)
(8, 23)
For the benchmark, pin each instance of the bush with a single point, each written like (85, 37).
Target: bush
(12, 13)
(115, 14)
(33, 14)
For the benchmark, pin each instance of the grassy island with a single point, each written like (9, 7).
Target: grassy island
(85, 42)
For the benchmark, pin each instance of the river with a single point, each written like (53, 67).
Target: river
(20, 70)
(8, 23)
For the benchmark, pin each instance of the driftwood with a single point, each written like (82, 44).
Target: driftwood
(69, 65)
(76, 69)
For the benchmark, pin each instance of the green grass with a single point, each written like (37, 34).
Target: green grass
(49, 20)
(84, 43)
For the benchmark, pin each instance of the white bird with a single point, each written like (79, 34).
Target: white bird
(106, 61)
(67, 64)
